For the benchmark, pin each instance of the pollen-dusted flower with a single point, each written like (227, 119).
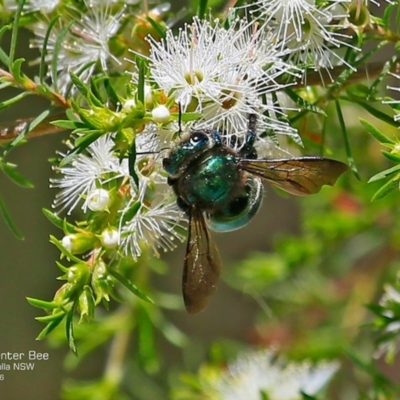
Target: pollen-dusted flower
(262, 375)
(307, 29)
(86, 173)
(156, 227)
(223, 73)
(85, 43)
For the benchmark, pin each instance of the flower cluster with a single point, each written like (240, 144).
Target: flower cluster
(86, 35)
(223, 73)
(264, 375)
(310, 31)
(144, 215)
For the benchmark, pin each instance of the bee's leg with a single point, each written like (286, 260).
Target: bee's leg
(181, 204)
(248, 151)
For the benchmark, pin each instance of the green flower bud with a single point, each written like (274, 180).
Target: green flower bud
(78, 274)
(102, 282)
(78, 243)
(86, 303)
(63, 295)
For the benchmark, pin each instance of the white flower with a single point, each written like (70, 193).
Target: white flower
(261, 372)
(85, 173)
(155, 227)
(45, 6)
(306, 29)
(85, 43)
(223, 73)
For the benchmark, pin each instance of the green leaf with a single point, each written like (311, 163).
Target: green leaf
(9, 222)
(69, 326)
(201, 9)
(48, 305)
(85, 141)
(304, 104)
(130, 286)
(82, 144)
(375, 132)
(386, 189)
(15, 31)
(30, 126)
(95, 90)
(11, 172)
(85, 90)
(66, 124)
(373, 111)
(51, 325)
(141, 64)
(62, 268)
(51, 317)
(384, 72)
(111, 93)
(350, 159)
(13, 100)
(16, 70)
(3, 56)
(385, 174)
(56, 51)
(157, 27)
(78, 74)
(57, 221)
(391, 156)
(188, 116)
(43, 64)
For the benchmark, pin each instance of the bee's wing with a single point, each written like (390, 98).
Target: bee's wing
(299, 176)
(202, 264)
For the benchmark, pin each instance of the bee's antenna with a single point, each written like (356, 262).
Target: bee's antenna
(180, 120)
(252, 123)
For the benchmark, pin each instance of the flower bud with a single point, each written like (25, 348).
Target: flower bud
(129, 105)
(78, 274)
(161, 114)
(102, 282)
(110, 238)
(86, 303)
(98, 200)
(78, 243)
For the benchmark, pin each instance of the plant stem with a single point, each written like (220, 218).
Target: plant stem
(114, 369)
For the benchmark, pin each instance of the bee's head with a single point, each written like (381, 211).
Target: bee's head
(192, 145)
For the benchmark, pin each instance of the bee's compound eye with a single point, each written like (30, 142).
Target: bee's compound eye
(198, 137)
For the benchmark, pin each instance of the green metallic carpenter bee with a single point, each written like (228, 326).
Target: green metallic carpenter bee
(221, 189)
